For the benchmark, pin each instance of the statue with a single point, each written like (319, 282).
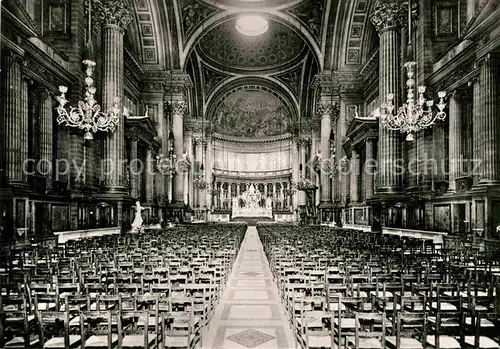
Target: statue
(269, 203)
(137, 223)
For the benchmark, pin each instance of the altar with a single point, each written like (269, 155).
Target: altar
(252, 204)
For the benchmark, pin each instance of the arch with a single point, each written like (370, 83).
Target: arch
(271, 14)
(267, 84)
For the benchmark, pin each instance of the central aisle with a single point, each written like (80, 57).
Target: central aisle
(250, 314)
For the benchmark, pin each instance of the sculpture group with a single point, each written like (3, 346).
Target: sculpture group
(252, 203)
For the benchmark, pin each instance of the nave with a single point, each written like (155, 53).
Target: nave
(232, 286)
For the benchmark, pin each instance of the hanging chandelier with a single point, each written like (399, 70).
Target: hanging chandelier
(418, 112)
(331, 167)
(303, 184)
(201, 182)
(166, 165)
(414, 115)
(87, 115)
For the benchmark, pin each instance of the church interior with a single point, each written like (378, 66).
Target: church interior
(250, 174)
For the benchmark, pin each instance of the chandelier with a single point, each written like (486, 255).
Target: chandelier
(201, 182)
(414, 115)
(331, 166)
(87, 115)
(166, 165)
(418, 112)
(303, 184)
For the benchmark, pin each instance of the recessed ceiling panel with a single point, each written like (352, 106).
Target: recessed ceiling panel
(254, 4)
(229, 49)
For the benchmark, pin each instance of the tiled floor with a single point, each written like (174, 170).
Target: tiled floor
(250, 314)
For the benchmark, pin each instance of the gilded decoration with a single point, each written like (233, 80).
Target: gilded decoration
(223, 46)
(250, 113)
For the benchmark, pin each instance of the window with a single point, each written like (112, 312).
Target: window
(56, 18)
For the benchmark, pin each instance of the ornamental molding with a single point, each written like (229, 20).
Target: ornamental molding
(389, 14)
(338, 82)
(198, 126)
(113, 12)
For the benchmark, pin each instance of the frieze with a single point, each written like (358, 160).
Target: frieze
(196, 126)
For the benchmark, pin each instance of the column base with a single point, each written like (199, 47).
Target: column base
(388, 190)
(489, 182)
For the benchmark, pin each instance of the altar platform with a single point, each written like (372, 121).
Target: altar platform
(254, 212)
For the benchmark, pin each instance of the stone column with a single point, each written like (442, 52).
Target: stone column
(22, 120)
(11, 139)
(454, 139)
(178, 110)
(221, 196)
(354, 176)
(369, 168)
(275, 201)
(148, 167)
(209, 169)
(46, 135)
(197, 149)
(115, 16)
(295, 169)
(489, 125)
(476, 129)
(386, 20)
(265, 190)
(302, 174)
(133, 168)
(325, 109)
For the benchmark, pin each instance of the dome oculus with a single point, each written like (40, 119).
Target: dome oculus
(252, 25)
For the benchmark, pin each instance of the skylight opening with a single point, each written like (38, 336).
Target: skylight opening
(253, 25)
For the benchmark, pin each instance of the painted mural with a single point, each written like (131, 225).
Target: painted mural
(251, 114)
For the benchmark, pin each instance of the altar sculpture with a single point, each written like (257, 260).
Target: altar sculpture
(251, 203)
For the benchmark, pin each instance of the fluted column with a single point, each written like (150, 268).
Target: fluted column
(476, 129)
(295, 169)
(22, 120)
(115, 16)
(354, 176)
(275, 201)
(46, 135)
(325, 108)
(454, 139)
(302, 174)
(489, 129)
(386, 20)
(209, 169)
(198, 151)
(178, 109)
(133, 168)
(10, 127)
(370, 167)
(148, 167)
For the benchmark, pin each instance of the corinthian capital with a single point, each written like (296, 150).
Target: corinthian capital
(116, 12)
(388, 13)
(325, 108)
(179, 107)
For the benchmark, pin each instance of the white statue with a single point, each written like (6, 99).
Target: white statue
(269, 203)
(137, 223)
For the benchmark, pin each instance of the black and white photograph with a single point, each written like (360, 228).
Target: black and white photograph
(240, 174)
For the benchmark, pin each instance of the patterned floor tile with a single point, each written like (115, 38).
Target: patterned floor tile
(250, 338)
